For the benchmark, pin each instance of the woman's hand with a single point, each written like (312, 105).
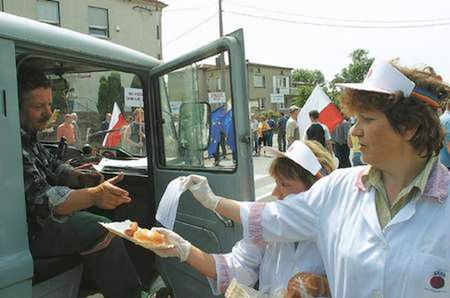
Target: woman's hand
(181, 247)
(199, 187)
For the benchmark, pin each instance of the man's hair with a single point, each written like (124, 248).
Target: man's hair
(30, 79)
(314, 114)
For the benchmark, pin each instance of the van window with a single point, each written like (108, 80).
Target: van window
(104, 107)
(213, 147)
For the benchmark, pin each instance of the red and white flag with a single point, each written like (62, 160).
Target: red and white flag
(329, 113)
(112, 139)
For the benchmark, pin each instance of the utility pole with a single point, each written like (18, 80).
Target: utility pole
(220, 19)
(221, 56)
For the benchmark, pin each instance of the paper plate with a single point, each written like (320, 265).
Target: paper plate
(118, 228)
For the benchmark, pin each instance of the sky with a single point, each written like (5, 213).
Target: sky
(310, 34)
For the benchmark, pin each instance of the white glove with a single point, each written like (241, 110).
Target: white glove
(199, 187)
(181, 248)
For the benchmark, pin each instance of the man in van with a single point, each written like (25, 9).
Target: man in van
(56, 196)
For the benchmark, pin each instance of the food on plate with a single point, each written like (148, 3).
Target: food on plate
(132, 229)
(149, 236)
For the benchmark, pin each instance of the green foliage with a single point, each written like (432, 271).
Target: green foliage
(308, 76)
(59, 102)
(110, 90)
(356, 70)
(308, 79)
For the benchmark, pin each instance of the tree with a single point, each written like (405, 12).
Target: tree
(355, 72)
(306, 80)
(307, 76)
(110, 90)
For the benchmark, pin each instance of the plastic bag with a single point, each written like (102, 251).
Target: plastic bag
(308, 285)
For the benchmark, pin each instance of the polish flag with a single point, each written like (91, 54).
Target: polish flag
(112, 139)
(329, 114)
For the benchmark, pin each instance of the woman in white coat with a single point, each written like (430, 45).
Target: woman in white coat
(271, 265)
(382, 229)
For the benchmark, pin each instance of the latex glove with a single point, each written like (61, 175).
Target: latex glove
(199, 187)
(108, 196)
(181, 248)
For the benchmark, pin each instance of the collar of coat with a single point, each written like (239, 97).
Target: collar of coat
(436, 187)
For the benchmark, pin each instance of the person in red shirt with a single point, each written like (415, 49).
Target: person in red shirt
(66, 130)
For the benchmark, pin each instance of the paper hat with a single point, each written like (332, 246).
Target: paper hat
(382, 77)
(300, 154)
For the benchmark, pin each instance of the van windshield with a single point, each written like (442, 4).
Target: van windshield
(102, 108)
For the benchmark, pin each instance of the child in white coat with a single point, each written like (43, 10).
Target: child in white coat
(272, 265)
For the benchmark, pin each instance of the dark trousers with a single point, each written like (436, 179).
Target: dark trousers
(110, 268)
(281, 139)
(223, 146)
(342, 153)
(268, 138)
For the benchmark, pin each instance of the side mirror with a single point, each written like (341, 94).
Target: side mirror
(194, 125)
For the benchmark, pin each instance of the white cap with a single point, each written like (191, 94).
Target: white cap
(300, 154)
(382, 77)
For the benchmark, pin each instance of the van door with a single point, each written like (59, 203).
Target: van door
(16, 264)
(210, 84)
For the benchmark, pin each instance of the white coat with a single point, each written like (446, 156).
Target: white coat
(271, 264)
(409, 258)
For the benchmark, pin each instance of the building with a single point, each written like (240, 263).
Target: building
(133, 23)
(266, 84)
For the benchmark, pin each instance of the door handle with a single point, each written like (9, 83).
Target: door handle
(3, 101)
(245, 139)
(226, 222)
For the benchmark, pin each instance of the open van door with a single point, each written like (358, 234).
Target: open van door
(16, 264)
(201, 102)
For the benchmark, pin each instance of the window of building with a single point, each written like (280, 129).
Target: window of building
(219, 84)
(98, 22)
(259, 81)
(157, 32)
(281, 82)
(47, 12)
(1, 5)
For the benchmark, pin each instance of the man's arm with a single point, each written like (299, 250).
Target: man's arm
(328, 139)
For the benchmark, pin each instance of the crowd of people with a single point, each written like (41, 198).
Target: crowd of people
(339, 143)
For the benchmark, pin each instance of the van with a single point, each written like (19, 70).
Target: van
(185, 101)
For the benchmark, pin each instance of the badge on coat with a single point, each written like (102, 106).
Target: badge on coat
(437, 281)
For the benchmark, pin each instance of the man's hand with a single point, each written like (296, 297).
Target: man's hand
(181, 247)
(109, 196)
(199, 187)
(90, 179)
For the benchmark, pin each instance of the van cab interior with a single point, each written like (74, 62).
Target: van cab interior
(177, 137)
